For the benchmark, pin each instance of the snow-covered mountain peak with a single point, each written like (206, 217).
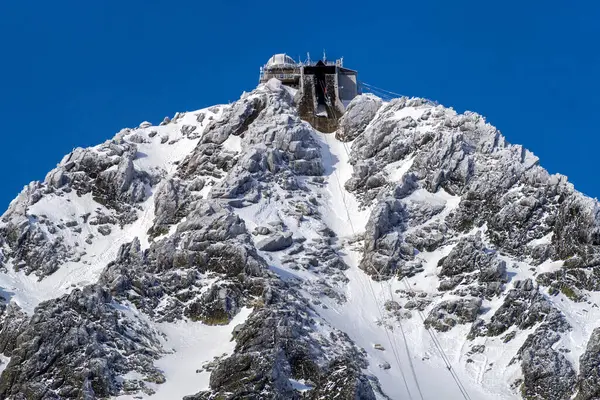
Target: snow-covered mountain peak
(236, 252)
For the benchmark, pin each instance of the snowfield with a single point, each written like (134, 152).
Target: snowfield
(394, 253)
(27, 291)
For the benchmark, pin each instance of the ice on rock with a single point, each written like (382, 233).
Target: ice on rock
(237, 252)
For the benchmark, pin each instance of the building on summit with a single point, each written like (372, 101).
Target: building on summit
(324, 88)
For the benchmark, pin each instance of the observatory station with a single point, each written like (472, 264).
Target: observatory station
(324, 88)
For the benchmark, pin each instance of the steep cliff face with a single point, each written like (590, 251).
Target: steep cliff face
(236, 252)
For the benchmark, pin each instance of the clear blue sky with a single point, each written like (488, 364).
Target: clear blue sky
(73, 73)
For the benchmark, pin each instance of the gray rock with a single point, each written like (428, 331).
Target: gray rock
(189, 131)
(263, 230)
(171, 202)
(469, 255)
(547, 373)
(275, 242)
(358, 115)
(104, 230)
(217, 306)
(385, 365)
(589, 369)
(137, 138)
(417, 304)
(523, 306)
(81, 329)
(450, 313)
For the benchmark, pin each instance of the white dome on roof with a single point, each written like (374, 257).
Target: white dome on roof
(280, 59)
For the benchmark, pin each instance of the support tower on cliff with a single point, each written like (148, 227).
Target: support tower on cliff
(324, 88)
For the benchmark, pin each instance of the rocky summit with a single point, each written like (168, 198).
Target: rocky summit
(235, 252)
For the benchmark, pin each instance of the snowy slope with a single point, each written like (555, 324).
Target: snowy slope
(361, 315)
(236, 252)
(153, 154)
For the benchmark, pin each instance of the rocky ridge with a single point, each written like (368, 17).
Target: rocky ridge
(318, 254)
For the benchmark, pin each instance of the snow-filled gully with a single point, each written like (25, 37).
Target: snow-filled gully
(406, 360)
(360, 315)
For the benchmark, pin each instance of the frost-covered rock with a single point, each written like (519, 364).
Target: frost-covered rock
(275, 343)
(75, 347)
(589, 369)
(547, 373)
(275, 242)
(170, 205)
(358, 115)
(245, 215)
(450, 313)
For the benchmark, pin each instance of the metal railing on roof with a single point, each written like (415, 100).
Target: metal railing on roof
(267, 75)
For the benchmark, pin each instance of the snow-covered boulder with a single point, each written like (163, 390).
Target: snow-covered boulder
(275, 242)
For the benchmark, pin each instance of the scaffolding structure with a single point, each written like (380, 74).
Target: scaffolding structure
(325, 87)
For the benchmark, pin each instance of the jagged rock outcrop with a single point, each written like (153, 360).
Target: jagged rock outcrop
(171, 202)
(588, 386)
(275, 242)
(450, 313)
(472, 268)
(167, 280)
(547, 373)
(14, 321)
(358, 115)
(276, 344)
(523, 306)
(107, 172)
(245, 215)
(76, 347)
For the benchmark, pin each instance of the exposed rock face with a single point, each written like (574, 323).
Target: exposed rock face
(218, 305)
(450, 313)
(14, 321)
(170, 205)
(456, 153)
(275, 343)
(547, 373)
(275, 242)
(358, 115)
(81, 330)
(589, 369)
(167, 280)
(523, 306)
(244, 215)
(108, 174)
(473, 269)
(382, 244)
(467, 256)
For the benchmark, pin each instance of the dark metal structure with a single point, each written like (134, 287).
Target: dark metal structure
(324, 88)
